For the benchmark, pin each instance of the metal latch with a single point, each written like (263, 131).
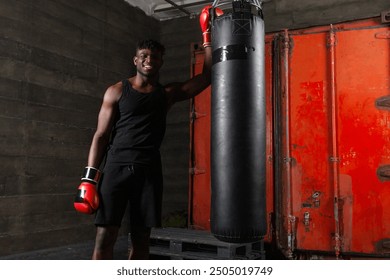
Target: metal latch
(306, 221)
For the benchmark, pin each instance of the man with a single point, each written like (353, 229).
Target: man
(131, 126)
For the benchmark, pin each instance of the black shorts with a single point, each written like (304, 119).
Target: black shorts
(141, 187)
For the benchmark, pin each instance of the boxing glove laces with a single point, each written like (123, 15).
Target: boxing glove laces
(87, 198)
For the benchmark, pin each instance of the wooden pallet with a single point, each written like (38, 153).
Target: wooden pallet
(189, 244)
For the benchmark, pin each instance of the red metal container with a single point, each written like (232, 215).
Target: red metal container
(328, 141)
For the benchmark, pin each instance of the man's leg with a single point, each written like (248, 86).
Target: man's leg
(104, 243)
(140, 240)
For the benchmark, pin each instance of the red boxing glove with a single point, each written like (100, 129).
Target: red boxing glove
(87, 199)
(204, 20)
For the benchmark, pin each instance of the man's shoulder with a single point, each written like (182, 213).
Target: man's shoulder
(118, 87)
(114, 91)
(119, 84)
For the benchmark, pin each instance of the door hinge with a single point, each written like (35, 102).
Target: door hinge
(196, 115)
(385, 16)
(383, 173)
(197, 171)
(383, 102)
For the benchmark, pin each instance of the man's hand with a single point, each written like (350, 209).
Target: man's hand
(205, 24)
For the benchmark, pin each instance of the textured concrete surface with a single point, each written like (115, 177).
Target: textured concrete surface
(79, 251)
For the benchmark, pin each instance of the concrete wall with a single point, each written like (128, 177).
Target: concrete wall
(56, 59)
(177, 35)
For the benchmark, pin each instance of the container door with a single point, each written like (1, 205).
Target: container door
(333, 90)
(362, 68)
(305, 191)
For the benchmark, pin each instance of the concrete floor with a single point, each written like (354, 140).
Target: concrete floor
(81, 251)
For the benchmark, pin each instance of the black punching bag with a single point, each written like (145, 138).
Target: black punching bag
(238, 125)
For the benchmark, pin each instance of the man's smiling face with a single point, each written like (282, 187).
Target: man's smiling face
(148, 62)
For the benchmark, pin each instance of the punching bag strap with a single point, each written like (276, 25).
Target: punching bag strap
(241, 7)
(244, 7)
(215, 3)
(231, 52)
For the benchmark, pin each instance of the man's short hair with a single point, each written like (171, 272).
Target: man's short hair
(150, 44)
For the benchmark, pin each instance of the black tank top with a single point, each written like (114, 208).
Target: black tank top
(139, 128)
